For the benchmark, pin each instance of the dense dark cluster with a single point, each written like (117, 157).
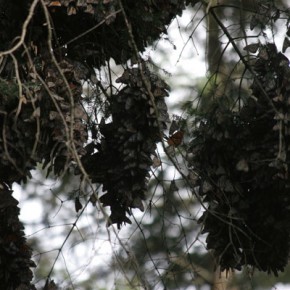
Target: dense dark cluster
(62, 115)
(266, 12)
(241, 160)
(128, 143)
(74, 19)
(33, 127)
(15, 254)
(33, 130)
(41, 114)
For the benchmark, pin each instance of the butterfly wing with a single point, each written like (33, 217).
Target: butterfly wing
(176, 138)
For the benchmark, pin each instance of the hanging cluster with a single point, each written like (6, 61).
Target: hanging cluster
(110, 38)
(33, 126)
(15, 254)
(241, 164)
(41, 116)
(63, 114)
(128, 142)
(41, 124)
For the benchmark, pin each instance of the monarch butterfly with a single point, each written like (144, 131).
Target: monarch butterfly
(54, 4)
(176, 138)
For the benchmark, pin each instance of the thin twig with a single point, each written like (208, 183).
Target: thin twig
(93, 28)
(23, 30)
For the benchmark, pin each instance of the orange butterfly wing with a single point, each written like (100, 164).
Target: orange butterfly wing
(54, 4)
(176, 138)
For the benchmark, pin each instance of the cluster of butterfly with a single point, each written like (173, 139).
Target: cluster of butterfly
(71, 9)
(72, 6)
